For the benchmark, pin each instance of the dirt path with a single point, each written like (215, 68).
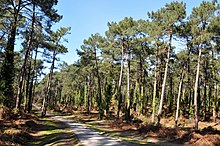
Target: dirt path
(89, 137)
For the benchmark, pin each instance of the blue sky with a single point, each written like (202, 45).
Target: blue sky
(86, 17)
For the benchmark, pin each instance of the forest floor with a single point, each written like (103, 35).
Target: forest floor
(141, 133)
(28, 129)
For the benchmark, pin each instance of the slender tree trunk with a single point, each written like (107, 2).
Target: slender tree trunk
(142, 97)
(209, 98)
(205, 91)
(178, 98)
(32, 87)
(215, 103)
(23, 70)
(88, 95)
(140, 83)
(154, 97)
(164, 81)
(155, 89)
(34, 82)
(204, 99)
(119, 94)
(101, 111)
(162, 92)
(135, 95)
(196, 88)
(128, 88)
(85, 94)
(189, 99)
(216, 89)
(27, 88)
(45, 99)
(171, 101)
(20, 82)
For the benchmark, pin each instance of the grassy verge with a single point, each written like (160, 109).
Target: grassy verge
(27, 129)
(142, 133)
(50, 132)
(119, 135)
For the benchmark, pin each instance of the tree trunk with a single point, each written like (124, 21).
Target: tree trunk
(128, 105)
(164, 81)
(140, 83)
(33, 82)
(205, 91)
(27, 88)
(155, 89)
(178, 98)
(23, 70)
(101, 111)
(204, 99)
(189, 96)
(214, 76)
(154, 97)
(88, 95)
(119, 95)
(32, 87)
(7, 70)
(215, 103)
(45, 100)
(171, 101)
(196, 88)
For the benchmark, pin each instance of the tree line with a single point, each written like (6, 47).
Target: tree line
(26, 24)
(166, 65)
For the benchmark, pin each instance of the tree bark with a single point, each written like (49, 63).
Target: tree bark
(171, 100)
(23, 69)
(214, 76)
(140, 83)
(7, 70)
(178, 98)
(155, 89)
(45, 99)
(154, 97)
(119, 95)
(205, 91)
(128, 89)
(196, 88)
(164, 81)
(27, 88)
(88, 94)
(101, 111)
(32, 86)
(215, 103)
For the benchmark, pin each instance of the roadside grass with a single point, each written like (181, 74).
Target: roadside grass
(51, 132)
(119, 135)
(24, 129)
(48, 131)
(145, 133)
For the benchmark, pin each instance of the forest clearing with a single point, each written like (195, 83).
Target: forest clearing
(143, 81)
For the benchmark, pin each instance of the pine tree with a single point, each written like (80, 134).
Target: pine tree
(54, 45)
